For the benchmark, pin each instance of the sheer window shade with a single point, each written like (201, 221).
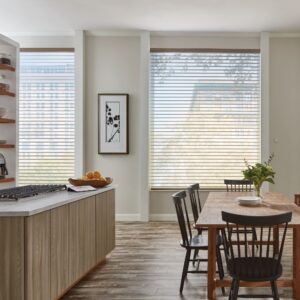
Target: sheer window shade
(46, 117)
(204, 117)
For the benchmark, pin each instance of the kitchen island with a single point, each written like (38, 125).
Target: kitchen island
(50, 241)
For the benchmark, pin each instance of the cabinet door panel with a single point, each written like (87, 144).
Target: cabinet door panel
(37, 257)
(82, 245)
(74, 244)
(59, 250)
(12, 258)
(101, 226)
(111, 236)
(105, 224)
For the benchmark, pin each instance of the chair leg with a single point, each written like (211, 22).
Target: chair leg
(225, 245)
(220, 267)
(235, 289)
(274, 290)
(196, 251)
(254, 236)
(231, 290)
(185, 268)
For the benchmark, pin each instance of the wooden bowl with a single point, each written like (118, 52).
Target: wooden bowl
(96, 183)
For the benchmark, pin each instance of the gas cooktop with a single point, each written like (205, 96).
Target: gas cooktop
(16, 193)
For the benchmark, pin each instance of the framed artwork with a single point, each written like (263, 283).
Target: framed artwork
(113, 123)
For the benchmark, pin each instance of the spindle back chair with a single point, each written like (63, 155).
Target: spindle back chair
(194, 193)
(249, 263)
(242, 185)
(190, 242)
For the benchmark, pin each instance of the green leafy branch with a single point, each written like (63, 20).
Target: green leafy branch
(260, 173)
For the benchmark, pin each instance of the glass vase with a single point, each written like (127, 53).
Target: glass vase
(257, 188)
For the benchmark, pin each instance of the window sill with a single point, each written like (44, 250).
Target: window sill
(180, 189)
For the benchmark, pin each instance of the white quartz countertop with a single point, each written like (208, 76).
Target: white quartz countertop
(43, 202)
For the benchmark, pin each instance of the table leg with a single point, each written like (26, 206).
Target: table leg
(211, 272)
(296, 262)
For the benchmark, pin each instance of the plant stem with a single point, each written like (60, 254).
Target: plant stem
(257, 188)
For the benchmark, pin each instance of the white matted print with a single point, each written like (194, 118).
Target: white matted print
(113, 123)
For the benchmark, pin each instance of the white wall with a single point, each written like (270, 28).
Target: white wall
(44, 41)
(161, 204)
(285, 113)
(112, 66)
(205, 41)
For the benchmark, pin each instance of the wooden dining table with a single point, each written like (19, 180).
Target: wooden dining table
(272, 204)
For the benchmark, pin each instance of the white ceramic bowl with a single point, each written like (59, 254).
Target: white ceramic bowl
(249, 200)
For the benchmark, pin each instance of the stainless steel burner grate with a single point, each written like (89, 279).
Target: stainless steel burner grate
(16, 193)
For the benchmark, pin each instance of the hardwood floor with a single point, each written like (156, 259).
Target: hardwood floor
(146, 265)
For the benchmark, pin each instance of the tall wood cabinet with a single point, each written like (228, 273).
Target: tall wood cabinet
(43, 255)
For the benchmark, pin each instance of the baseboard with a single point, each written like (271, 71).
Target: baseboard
(152, 217)
(163, 217)
(128, 217)
(167, 217)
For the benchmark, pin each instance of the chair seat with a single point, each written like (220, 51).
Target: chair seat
(254, 269)
(200, 242)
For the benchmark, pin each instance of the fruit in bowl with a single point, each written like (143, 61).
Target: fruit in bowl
(93, 178)
(93, 175)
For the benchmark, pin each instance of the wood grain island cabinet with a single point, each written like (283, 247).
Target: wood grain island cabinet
(49, 244)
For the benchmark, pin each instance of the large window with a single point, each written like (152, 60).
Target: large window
(204, 117)
(46, 117)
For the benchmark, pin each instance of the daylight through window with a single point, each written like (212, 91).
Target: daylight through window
(46, 117)
(205, 117)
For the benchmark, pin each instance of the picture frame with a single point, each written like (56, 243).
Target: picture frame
(113, 136)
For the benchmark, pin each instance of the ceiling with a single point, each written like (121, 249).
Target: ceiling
(153, 15)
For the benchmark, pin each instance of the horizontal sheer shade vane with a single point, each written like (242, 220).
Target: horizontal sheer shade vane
(46, 117)
(205, 110)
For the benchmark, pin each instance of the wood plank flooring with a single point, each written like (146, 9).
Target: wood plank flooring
(146, 265)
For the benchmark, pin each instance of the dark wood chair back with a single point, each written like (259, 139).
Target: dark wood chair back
(194, 193)
(297, 199)
(242, 185)
(241, 247)
(183, 217)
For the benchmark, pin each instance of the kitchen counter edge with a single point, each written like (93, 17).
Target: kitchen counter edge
(34, 205)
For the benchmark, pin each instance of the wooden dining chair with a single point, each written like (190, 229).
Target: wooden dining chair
(297, 199)
(238, 185)
(190, 242)
(247, 263)
(194, 194)
(241, 185)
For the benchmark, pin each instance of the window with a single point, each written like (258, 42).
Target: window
(204, 117)
(46, 117)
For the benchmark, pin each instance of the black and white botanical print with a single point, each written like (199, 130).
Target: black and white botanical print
(112, 116)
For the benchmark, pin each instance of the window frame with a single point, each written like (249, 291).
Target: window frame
(208, 50)
(41, 50)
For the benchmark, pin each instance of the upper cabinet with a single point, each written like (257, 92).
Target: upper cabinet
(9, 80)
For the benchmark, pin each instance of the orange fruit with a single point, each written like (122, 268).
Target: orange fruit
(89, 175)
(102, 178)
(97, 175)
